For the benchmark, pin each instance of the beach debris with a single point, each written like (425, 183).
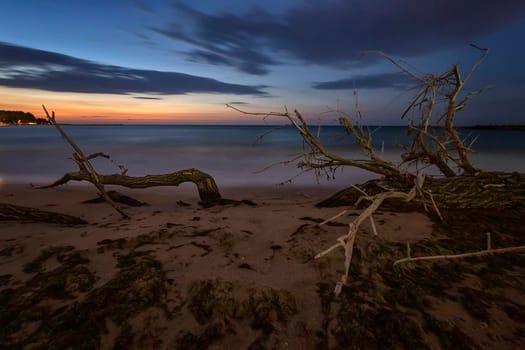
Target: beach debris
(246, 266)
(118, 198)
(84, 163)
(139, 285)
(217, 304)
(488, 251)
(433, 141)
(10, 212)
(347, 241)
(60, 252)
(484, 190)
(206, 186)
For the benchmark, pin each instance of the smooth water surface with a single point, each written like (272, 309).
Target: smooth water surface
(234, 155)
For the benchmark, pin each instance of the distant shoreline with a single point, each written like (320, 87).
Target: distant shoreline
(472, 127)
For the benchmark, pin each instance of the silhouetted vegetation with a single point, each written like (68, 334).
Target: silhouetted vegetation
(21, 118)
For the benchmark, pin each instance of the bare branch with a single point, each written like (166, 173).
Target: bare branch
(488, 251)
(85, 161)
(347, 241)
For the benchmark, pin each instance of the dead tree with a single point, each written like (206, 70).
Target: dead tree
(317, 157)
(434, 141)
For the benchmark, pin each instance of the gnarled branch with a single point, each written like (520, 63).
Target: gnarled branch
(208, 190)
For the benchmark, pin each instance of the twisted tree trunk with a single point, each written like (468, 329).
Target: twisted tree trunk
(208, 190)
(484, 190)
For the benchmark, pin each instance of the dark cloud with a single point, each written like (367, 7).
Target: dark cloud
(372, 81)
(147, 98)
(243, 61)
(334, 32)
(238, 103)
(240, 52)
(30, 68)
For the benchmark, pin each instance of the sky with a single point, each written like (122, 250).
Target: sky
(160, 61)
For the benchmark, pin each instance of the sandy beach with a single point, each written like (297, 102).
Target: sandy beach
(176, 275)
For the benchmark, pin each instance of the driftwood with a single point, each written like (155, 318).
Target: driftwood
(346, 242)
(10, 212)
(483, 190)
(433, 141)
(317, 157)
(488, 251)
(84, 162)
(208, 190)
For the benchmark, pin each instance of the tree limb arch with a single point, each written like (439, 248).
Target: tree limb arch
(208, 191)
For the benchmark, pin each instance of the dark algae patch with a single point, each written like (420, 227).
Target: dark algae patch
(450, 337)
(24, 313)
(460, 304)
(138, 285)
(218, 306)
(36, 264)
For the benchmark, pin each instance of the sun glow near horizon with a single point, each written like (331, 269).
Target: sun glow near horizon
(125, 108)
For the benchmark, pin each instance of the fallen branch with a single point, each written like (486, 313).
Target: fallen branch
(10, 212)
(208, 190)
(347, 241)
(488, 251)
(485, 190)
(319, 158)
(81, 158)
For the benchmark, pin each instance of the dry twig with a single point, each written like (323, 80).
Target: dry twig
(488, 251)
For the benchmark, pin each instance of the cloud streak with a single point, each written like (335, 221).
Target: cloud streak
(147, 98)
(373, 81)
(334, 32)
(22, 67)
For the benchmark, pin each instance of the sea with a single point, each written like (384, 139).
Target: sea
(234, 155)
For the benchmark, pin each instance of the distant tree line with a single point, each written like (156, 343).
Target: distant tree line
(19, 117)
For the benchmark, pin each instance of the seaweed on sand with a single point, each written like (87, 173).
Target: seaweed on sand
(386, 306)
(215, 304)
(139, 284)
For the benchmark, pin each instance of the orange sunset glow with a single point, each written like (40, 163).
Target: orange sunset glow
(79, 108)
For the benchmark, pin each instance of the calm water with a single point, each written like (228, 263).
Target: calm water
(234, 155)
